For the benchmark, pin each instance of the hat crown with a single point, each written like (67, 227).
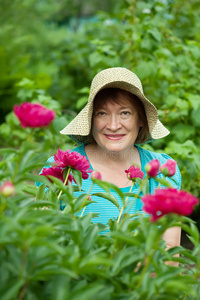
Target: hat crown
(114, 75)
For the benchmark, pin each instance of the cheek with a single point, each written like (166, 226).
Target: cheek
(94, 129)
(97, 125)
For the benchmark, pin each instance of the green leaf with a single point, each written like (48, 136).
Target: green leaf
(194, 232)
(57, 181)
(67, 196)
(132, 195)
(90, 237)
(95, 260)
(129, 240)
(194, 101)
(124, 258)
(109, 197)
(153, 235)
(163, 181)
(87, 292)
(139, 181)
(177, 285)
(40, 192)
(182, 131)
(26, 158)
(195, 117)
(156, 34)
(80, 202)
(39, 179)
(11, 291)
(31, 189)
(78, 177)
(61, 287)
(109, 186)
(52, 196)
(46, 272)
(8, 150)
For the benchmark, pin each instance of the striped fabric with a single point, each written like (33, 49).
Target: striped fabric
(104, 208)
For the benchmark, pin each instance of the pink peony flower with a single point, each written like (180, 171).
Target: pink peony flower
(134, 172)
(34, 115)
(166, 201)
(55, 172)
(96, 175)
(7, 189)
(169, 168)
(152, 168)
(74, 160)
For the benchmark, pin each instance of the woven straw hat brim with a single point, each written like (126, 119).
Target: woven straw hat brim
(79, 128)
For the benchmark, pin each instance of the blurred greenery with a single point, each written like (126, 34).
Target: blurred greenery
(52, 49)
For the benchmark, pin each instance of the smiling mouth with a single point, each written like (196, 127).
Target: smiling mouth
(114, 137)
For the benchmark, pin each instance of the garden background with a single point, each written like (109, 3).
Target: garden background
(50, 50)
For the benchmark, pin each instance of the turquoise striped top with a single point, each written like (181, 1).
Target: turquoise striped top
(103, 207)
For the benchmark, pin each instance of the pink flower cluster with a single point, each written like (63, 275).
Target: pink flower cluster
(167, 201)
(152, 168)
(34, 115)
(63, 160)
(167, 169)
(134, 172)
(56, 172)
(74, 160)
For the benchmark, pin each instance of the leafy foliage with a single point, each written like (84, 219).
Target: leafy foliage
(47, 253)
(147, 37)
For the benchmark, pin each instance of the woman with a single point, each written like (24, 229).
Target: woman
(117, 118)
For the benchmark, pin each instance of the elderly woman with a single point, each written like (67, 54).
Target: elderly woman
(116, 120)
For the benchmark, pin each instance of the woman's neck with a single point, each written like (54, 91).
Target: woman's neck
(113, 158)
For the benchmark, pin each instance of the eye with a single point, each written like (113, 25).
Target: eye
(126, 113)
(100, 113)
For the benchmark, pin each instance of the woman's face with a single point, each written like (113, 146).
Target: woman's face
(116, 125)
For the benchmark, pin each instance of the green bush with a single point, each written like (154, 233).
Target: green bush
(147, 37)
(47, 253)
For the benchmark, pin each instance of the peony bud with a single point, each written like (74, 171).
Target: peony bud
(7, 189)
(169, 168)
(89, 198)
(96, 174)
(134, 172)
(152, 168)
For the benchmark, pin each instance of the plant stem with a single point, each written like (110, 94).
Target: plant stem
(66, 178)
(121, 211)
(148, 261)
(86, 199)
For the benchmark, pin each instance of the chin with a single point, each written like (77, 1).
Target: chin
(115, 148)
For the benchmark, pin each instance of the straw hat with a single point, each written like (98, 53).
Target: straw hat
(79, 128)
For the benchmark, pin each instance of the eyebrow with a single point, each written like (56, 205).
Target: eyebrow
(121, 107)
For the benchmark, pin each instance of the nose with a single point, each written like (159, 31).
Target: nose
(114, 122)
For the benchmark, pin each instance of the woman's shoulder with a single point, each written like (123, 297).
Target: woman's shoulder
(149, 155)
(80, 149)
